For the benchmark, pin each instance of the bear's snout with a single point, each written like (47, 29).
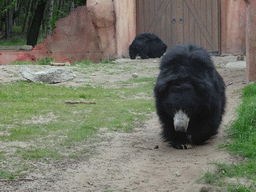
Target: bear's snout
(180, 121)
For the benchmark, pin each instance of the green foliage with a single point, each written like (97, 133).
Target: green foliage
(45, 61)
(2, 3)
(15, 40)
(55, 16)
(242, 133)
(80, 2)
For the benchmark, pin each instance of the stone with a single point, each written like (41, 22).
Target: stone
(135, 75)
(51, 75)
(26, 47)
(177, 174)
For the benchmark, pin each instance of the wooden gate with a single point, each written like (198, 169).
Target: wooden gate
(181, 21)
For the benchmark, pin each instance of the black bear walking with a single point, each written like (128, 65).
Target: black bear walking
(147, 45)
(190, 96)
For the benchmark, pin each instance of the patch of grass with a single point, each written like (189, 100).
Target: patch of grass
(84, 63)
(243, 130)
(77, 134)
(25, 102)
(6, 175)
(39, 153)
(22, 63)
(45, 61)
(239, 188)
(15, 40)
(35, 114)
(150, 80)
(31, 132)
(108, 61)
(128, 68)
(210, 178)
(218, 66)
(242, 133)
(2, 155)
(74, 156)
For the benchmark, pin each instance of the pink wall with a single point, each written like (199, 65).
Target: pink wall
(125, 25)
(233, 24)
(103, 17)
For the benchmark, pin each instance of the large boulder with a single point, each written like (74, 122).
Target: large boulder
(51, 75)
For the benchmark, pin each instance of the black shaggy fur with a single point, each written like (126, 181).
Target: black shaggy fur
(189, 81)
(147, 45)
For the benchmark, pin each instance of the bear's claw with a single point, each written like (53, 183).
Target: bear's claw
(183, 146)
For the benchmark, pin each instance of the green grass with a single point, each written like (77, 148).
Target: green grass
(108, 61)
(15, 40)
(45, 61)
(38, 153)
(243, 130)
(36, 115)
(218, 66)
(242, 133)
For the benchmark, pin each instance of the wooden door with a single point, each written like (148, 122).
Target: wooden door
(181, 21)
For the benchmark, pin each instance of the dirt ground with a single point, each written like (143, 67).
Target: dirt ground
(129, 161)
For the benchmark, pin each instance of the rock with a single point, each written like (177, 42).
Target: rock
(51, 75)
(135, 75)
(26, 47)
(240, 58)
(177, 174)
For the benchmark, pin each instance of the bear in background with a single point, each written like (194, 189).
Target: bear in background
(190, 96)
(147, 45)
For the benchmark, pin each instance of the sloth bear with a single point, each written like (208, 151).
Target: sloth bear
(147, 45)
(190, 96)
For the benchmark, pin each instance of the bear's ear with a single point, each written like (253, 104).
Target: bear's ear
(161, 86)
(164, 81)
(201, 86)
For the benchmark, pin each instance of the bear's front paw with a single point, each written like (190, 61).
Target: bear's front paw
(182, 146)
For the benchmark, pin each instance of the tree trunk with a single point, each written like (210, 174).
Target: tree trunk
(49, 28)
(17, 13)
(10, 17)
(26, 17)
(36, 23)
(72, 6)
(7, 23)
(60, 8)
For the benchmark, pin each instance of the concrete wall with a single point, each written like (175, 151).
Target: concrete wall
(233, 24)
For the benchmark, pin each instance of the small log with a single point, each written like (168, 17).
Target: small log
(21, 179)
(57, 64)
(79, 102)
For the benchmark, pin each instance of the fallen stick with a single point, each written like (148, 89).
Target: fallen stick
(21, 179)
(59, 64)
(79, 102)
